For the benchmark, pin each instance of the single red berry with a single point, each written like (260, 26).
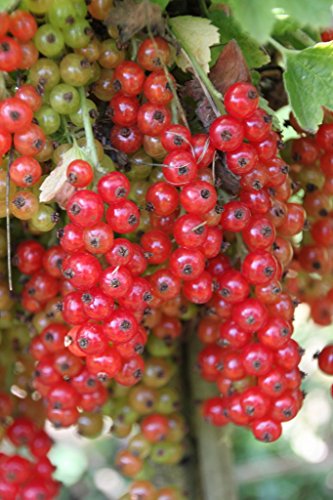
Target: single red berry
(85, 208)
(123, 216)
(266, 430)
(82, 270)
(79, 173)
(241, 100)
(226, 133)
(124, 110)
(257, 359)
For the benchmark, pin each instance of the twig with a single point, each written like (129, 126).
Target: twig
(88, 129)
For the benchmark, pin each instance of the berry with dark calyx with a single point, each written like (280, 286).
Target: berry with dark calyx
(79, 173)
(226, 133)
(85, 208)
(241, 100)
(266, 430)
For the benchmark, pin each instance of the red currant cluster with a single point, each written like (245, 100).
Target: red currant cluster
(17, 50)
(312, 265)
(22, 477)
(154, 404)
(249, 351)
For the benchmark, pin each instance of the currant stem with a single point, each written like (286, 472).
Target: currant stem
(215, 98)
(91, 147)
(283, 50)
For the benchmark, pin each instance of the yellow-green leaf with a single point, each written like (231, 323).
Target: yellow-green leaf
(57, 179)
(196, 35)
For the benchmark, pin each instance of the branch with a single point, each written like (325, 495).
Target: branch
(213, 444)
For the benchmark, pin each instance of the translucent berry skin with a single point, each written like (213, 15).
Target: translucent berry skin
(29, 256)
(213, 411)
(153, 118)
(152, 53)
(107, 364)
(96, 305)
(80, 173)
(259, 233)
(257, 359)
(275, 333)
(162, 198)
(226, 133)
(157, 246)
(288, 356)
(126, 139)
(250, 315)
(235, 216)
(180, 168)
(22, 25)
(121, 326)
(189, 231)
(90, 339)
(15, 114)
(324, 137)
(73, 310)
(255, 403)
(124, 110)
(113, 187)
(259, 267)
(121, 252)
(165, 285)
(85, 208)
(325, 360)
(30, 96)
(5, 141)
(115, 282)
(257, 126)
(131, 371)
(10, 54)
(30, 140)
(198, 197)
(273, 383)
(242, 160)
(25, 171)
(123, 216)
(71, 238)
(233, 286)
(176, 137)
(82, 270)
(241, 100)
(157, 89)
(199, 290)
(284, 408)
(266, 430)
(98, 239)
(186, 263)
(128, 78)
(231, 335)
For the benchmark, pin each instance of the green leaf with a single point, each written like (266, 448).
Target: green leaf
(162, 3)
(196, 35)
(308, 82)
(316, 13)
(255, 16)
(7, 5)
(230, 29)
